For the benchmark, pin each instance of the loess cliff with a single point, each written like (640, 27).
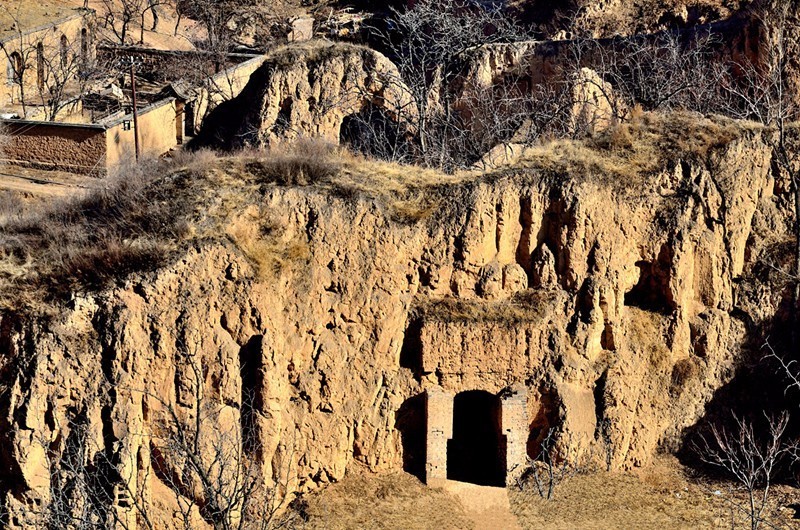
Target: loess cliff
(314, 303)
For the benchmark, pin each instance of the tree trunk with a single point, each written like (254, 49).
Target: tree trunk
(795, 317)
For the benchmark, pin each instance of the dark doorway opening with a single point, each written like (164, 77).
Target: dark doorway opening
(188, 119)
(476, 453)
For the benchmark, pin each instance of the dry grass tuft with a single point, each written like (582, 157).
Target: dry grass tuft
(627, 153)
(396, 500)
(526, 306)
(302, 163)
(684, 371)
(89, 241)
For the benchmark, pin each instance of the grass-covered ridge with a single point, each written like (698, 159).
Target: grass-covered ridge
(147, 215)
(631, 151)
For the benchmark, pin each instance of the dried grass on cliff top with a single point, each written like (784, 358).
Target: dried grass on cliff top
(626, 153)
(408, 193)
(150, 213)
(87, 240)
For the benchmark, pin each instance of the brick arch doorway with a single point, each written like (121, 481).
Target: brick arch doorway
(476, 453)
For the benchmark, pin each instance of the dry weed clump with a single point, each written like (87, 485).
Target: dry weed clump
(626, 153)
(302, 163)
(524, 307)
(131, 224)
(684, 371)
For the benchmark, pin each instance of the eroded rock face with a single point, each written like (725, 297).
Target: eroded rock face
(619, 17)
(306, 90)
(632, 285)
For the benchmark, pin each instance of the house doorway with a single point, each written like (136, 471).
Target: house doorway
(477, 451)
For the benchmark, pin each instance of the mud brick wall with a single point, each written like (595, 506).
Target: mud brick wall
(66, 147)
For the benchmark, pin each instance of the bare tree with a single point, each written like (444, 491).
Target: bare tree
(662, 72)
(62, 76)
(152, 7)
(209, 462)
(430, 44)
(20, 56)
(119, 15)
(212, 466)
(222, 19)
(751, 459)
(759, 90)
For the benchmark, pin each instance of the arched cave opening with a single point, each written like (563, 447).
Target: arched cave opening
(476, 453)
(652, 292)
(373, 132)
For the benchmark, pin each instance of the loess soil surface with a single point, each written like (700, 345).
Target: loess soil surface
(663, 496)
(395, 500)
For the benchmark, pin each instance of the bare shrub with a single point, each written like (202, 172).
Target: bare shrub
(207, 462)
(210, 463)
(751, 457)
(88, 241)
(430, 44)
(666, 71)
(549, 469)
(300, 163)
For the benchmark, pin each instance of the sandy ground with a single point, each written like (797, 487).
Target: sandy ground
(659, 498)
(23, 189)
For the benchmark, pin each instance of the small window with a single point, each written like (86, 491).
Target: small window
(84, 46)
(64, 51)
(14, 72)
(40, 65)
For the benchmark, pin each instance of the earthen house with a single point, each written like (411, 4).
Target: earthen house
(96, 147)
(36, 39)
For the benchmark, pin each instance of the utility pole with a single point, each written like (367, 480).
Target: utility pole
(135, 110)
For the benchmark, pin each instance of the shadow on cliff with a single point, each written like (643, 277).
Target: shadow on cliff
(758, 392)
(410, 421)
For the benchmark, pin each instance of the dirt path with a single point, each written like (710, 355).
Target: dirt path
(486, 506)
(44, 183)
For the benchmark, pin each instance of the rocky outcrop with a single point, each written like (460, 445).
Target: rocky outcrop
(305, 90)
(614, 303)
(620, 17)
